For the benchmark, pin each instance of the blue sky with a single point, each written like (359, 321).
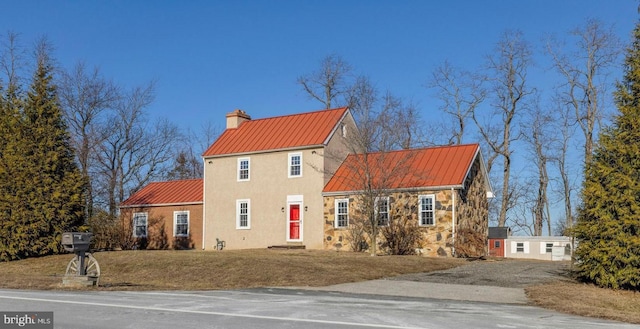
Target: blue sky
(210, 57)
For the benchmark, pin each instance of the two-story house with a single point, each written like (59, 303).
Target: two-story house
(263, 179)
(289, 181)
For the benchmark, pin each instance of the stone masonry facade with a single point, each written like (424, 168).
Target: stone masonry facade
(471, 211)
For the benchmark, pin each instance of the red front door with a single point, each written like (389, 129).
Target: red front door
(294, 222)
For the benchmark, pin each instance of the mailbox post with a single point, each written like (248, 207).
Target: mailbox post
(83, 269)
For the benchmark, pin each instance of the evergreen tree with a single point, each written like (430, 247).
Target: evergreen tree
(10, 112)
(41, 184)
(186, 166)
(608, 227)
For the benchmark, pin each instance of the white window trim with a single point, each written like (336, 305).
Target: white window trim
(336, 213)
(291, 155)
(376, 209)
(146, 224)
(433, 210)
(240, 160)
(238, 203)
(175, 223)
(525, 247)
(543, 246)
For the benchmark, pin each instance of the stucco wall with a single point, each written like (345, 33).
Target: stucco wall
(338, 147)
(268, 190)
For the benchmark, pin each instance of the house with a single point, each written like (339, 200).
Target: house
(554, 248)
(288, 181)
(443, 191)
(497, 238)
(263, 179)
(165, 215)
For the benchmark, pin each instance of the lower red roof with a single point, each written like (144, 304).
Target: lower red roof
(171, 192)
(427, 167)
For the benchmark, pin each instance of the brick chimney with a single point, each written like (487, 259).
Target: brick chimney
(235, 118)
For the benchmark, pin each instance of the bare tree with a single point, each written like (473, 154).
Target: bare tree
(204, 137)
(330, 84)
(539, 135)
(565, 130)
(585, 73)
(521, 217)
(187, 161)
(460, 92)
(382, 127)
(508, 78)
(405, 124)
(384, 123)
(86, 96)
(12, 62)
(133, 152)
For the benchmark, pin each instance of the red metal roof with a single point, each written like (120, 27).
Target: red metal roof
(428, 167)
(305, 129)
(171, 192)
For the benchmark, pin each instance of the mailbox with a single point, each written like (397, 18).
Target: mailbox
(76, 241)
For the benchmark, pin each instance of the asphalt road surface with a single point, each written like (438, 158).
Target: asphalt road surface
(279, 308)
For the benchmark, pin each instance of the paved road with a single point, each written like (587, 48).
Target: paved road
(279, 308)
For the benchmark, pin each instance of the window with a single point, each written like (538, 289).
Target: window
(344, 130)
(520, 247)
(243, 169)
(295, 164)
(382, 210)
(496, 244)
(140, 225)
(342, 213)
(181, 223)
(243, 215)
(549, 248)
(427, 213)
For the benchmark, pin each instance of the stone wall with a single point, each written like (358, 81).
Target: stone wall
(471, 211)
(436, 240)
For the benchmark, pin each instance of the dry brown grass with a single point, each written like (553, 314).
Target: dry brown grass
(199, 270)
(230, 269)
(587, 300)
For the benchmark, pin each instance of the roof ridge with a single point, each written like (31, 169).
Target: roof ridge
(296, 114)
(176, 180)
(421, 148)
(280, 132)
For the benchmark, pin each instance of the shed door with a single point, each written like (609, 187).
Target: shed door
(496, 247)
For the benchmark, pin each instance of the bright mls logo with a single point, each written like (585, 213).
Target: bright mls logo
(40, 320)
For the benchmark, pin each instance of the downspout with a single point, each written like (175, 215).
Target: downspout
(453, 222)
(204, 193)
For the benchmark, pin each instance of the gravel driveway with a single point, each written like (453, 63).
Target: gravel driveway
(508, 273)
(493, 280)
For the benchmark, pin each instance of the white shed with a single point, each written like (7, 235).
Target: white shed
(539, 247)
